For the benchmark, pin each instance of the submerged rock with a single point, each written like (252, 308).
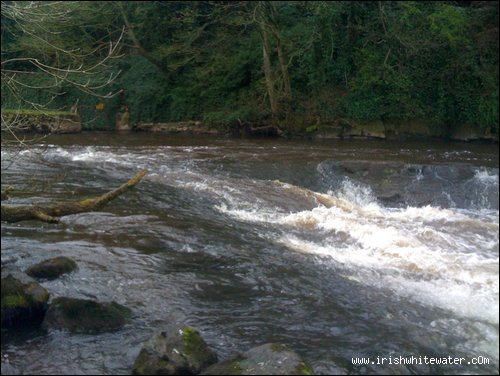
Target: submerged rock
(52, 268)
(180, 352)
(85, 316)
(268, 359)
(23, 299)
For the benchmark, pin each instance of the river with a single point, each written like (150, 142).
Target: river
(225, 235)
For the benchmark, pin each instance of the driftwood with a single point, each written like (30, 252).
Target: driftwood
(52, 213)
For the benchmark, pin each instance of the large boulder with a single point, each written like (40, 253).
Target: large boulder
(85, 316)
(268, 359)
(180, 352)
(23, 299)
(52, 268)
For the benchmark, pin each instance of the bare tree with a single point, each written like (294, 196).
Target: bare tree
(66, 43)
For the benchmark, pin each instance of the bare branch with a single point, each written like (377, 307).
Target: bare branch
(76, 66)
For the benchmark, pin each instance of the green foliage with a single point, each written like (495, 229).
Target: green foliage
(312, 128)
(145, 88)
(399, 60)
(449, 23)
(487, 112)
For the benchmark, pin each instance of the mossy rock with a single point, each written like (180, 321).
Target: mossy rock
(52, 268)
(180, 352)
(23, 299)
(85, 316)
(268, 359)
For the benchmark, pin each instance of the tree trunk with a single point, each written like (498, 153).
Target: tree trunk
(287, 88)
(51, 213)
(266, 57)
(140, 49)
(284, 69)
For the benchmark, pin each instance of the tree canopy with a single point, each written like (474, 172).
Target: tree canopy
(295, 63)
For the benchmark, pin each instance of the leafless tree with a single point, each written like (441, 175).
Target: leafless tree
(48, 32)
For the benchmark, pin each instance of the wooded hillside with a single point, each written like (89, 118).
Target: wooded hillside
(298, 64)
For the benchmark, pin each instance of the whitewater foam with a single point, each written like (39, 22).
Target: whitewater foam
(414, 251)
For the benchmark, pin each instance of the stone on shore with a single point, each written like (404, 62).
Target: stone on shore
(180, 352)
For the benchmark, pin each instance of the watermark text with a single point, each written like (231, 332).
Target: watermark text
(417, 360)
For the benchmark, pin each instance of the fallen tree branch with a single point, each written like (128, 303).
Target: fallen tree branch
(52, 213)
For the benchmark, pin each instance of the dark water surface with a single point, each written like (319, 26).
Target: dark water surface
(224, 235)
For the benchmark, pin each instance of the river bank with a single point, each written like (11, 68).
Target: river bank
(341, 129)
(43, 122)
(66, 122)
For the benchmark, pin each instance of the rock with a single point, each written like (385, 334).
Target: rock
(180, 352)
(268, 359)
(359, 128)
(467, 132)
(85, 316)
(23, 299)
(7, 369)
(63, 125)
(52, 268)
(122, 120)
(185, 127)
(414, 129)
(329, 133)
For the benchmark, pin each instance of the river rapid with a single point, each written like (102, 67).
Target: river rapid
(339, 249)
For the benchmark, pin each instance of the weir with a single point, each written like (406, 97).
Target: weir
(249, 240)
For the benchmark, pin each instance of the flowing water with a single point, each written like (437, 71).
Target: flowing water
(339, 249)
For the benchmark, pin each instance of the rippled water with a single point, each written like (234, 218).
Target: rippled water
(339, 249)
